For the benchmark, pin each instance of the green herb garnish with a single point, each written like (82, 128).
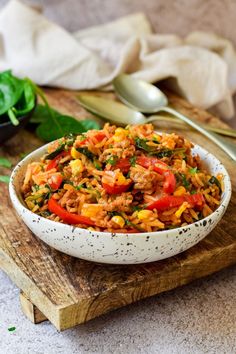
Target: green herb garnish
(97, 165)
(193, 191)
(112, 160)
(85, 151)
(11, 329)
(132, 160)
(185, 182)
(142, 144)
(193, 170)
(214, 180)
(53, 154)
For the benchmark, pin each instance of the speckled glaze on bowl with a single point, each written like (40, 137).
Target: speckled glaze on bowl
(105, 247)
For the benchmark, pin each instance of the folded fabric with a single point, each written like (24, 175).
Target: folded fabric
(202, 66)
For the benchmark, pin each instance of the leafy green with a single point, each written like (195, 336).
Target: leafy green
(132, 160)
(17, 96)
(185, 182)
(27, 100)
(193, 191)
(11, 89)
(129, 223)
(193, 170)
(54, 153)
(142, 144)
(86, 152)
(53, 125)
(97, 165)
(214, 180)
(112, 160)
(5, 162)
(4, 179)
(163, 153)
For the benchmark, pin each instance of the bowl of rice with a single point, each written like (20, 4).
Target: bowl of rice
(121, 195)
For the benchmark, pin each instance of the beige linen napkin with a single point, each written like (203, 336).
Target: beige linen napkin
(202, 66)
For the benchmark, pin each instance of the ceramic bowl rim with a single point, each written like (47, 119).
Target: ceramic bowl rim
(221, 208)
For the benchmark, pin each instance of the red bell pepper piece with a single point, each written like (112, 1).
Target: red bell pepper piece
(55, 181)
(170, 201)
(169, 183)
(69, 218)
(99, 136)
(54, 163)
(116, 188)
(162, 168)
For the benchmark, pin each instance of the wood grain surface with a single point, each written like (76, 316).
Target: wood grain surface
(69, 291)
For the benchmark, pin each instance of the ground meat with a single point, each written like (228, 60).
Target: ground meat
(144, 179)
(121, 202)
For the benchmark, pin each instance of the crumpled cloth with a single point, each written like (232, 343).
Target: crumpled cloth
(201, 66)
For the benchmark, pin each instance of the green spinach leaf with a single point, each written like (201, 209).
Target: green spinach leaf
(5, 162)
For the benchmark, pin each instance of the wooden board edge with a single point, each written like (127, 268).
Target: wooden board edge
(101, 304)
(30, 310)
(65, 317)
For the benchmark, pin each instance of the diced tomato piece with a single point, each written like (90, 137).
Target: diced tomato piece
(116, 189)
(69, 218)
(162, 168)
(170, 201)
(170, 182)
(54, 163)
(158, 165)
(123, 165)
(100, 136)
(55, 181)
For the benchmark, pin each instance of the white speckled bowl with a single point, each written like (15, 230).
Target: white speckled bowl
(113, 248)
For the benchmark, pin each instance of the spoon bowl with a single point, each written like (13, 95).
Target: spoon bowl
(113, 111)
(138, 94)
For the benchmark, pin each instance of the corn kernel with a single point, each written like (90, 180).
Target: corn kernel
(118, 220)
(118, 138)
(181, 209)
(91, 210)
(76, 167)
(121, 131)
(121, 179)
(74, 153)
(144, 214)
(156, 137)
(180, 191)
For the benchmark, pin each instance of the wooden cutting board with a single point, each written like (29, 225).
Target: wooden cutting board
(69, 291)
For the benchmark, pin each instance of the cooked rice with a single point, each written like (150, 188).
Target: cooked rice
(112, 178)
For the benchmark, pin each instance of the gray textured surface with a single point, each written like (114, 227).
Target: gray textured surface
(196, 319)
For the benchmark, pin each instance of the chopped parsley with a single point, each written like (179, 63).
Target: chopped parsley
(53, 154)
(85, 151)
(112, 160)
(193, 191)
(193, 170)
(214, 180)
(132, 160)
(97, 164)
(185, 182)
